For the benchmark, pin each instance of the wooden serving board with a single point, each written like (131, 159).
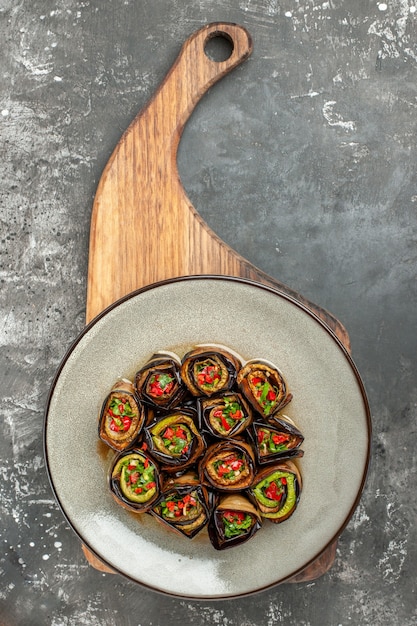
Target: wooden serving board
(144, 228)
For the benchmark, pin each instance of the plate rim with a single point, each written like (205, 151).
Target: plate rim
(275, 291)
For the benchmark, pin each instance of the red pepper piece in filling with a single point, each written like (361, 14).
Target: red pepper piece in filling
(234, 516)
(168, 433)
(273, 493)
(277, 439)
(261, 435)
(225, 424)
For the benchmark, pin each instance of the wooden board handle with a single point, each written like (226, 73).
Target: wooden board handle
(140, 207)
(194, 72)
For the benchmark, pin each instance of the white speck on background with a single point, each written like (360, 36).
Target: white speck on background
(36, 70)
(89, 615)
(5, 112)
(45, 557)
(288, 14)
(335, 119)
(391, 563)
(397, 35)
(57, 79)
(309, 94)
(360, 517)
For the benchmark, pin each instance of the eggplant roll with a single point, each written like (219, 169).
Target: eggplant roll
(225, 416)
(234, 521)
(277, 439)
(228, 466)
(276, 491)
(207, 371)
(264, 387)
(183, 505)
(121, 417)
(159, 383)
(175, 440)
(135, 480)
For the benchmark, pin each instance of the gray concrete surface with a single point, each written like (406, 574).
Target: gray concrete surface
(303, 160)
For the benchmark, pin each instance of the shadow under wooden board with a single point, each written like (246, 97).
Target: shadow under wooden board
(144, 228)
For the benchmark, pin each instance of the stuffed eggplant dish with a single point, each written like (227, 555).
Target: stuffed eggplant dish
(207, 371)
(276, 439)
(201, 444)
(228, 466)
(226, 415)
(264, 387)
(135, 480)
(276, 491)
(175, 440)
(183, 505)
(158, 382)
(234, 521)
(122, 417)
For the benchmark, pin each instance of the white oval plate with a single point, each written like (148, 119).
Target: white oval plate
(329, 407)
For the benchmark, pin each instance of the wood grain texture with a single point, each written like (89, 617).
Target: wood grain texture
(144, 228)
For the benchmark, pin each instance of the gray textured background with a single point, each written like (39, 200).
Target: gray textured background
(304, 160)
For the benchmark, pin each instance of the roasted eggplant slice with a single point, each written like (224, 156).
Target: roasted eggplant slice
(135, 480)
(122, 417)
(276, 491)
(158, 383)
(264, 387)
(276, 439)
(228, 466)
(225, 416)
(207, 371)
(174, 440)
(183, 505)
(234, 521)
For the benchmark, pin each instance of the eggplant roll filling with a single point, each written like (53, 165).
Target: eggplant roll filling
(182, 509)
(160, 385)
(173, 440)
(134, 478)
(225, 416)
(228, 466)
(234, 520)
(209, 375)
(271, 442)
(234, 523)
(277, 495)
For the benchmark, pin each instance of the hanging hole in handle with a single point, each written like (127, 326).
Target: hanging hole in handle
(219, 47)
